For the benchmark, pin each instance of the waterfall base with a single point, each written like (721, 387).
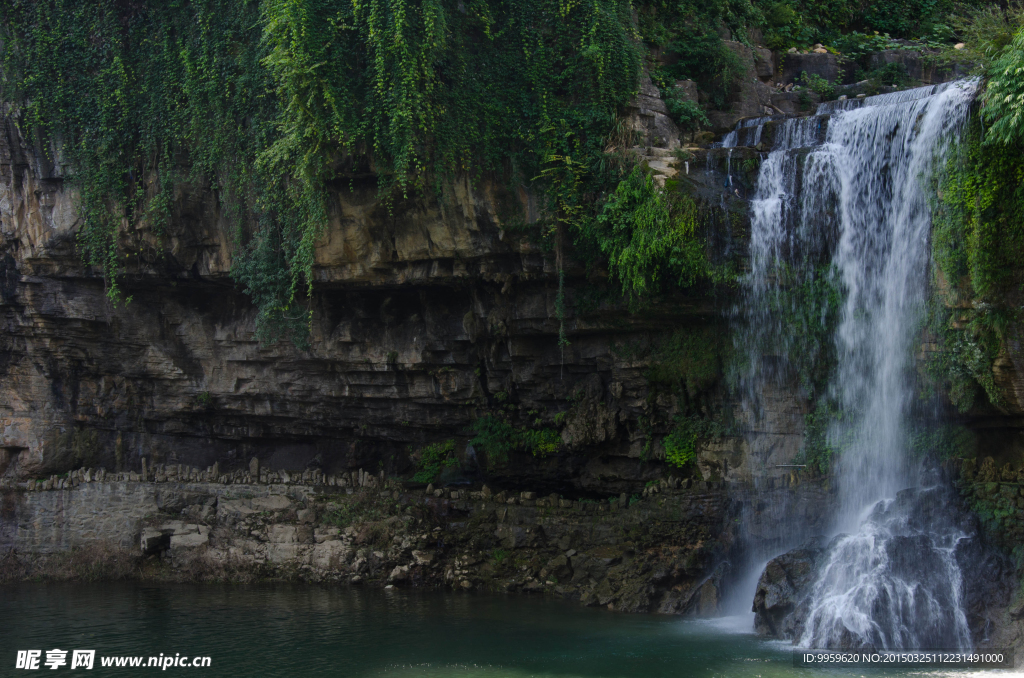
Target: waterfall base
(890, 584)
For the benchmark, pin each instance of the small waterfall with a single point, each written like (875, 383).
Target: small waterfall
(842, 203)
(769, 332)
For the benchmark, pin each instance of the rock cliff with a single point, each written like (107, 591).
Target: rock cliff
(426, 315)
(228, 456)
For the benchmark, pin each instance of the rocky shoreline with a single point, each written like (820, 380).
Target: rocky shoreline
(665, 551)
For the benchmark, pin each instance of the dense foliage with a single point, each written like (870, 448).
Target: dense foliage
(649, 237)
(498, 437)
(129, 93)
(682, 441)
(269, 102)
(274, 104)
(1004, 95)
(978, 236)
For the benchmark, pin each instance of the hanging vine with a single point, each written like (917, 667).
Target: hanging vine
(271, 103)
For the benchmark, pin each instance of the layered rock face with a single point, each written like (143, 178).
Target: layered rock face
(421, 317)
(426, 316)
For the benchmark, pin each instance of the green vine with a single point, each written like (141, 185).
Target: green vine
(977, 244)
(271, 103)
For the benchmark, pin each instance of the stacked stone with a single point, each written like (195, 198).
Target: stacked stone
(66, 482)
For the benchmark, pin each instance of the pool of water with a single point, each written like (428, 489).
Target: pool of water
(311, 631)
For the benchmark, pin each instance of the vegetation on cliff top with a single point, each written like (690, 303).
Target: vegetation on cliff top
(270, 103)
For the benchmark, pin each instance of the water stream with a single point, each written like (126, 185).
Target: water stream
(842, 205)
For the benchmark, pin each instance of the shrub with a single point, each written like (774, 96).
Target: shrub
(687, 114)
(816, 83)
(498, 438)
(689, 361)
(680, 447)
(648, 238)
(1004, 94)
(681, 443)
(433, 459)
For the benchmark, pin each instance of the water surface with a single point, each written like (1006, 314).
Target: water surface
(285, 630)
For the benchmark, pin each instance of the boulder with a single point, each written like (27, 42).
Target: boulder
(154, 541)
(825, 65)
(191, 537)
(764, 63)
(782, 587)
(648, 115)
(687, 89)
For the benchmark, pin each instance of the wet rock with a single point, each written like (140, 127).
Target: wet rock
(399, 573)
(557, 567)
(795, 103)
(782, 587)
(706, 599)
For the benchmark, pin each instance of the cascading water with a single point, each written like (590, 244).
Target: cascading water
(773, 326)
(842, 204)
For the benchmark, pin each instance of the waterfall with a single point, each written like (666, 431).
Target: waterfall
(769, 331)
(842, 203)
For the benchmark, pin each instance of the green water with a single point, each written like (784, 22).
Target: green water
(312, 631)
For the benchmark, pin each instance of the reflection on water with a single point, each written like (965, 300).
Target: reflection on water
(312, 631)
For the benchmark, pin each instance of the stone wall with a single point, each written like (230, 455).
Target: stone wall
(665, 551)
(101, 513)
